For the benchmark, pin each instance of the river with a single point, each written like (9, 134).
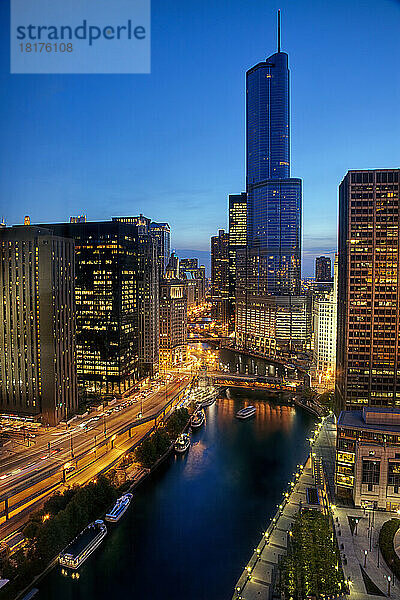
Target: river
(194, 523)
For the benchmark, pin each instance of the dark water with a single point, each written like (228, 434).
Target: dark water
(194, 523)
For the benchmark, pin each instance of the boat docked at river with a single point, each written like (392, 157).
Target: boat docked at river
(197, 419)
(83, 545)
(246, 413)
(209, 400)
(182, 443)
(119, 508)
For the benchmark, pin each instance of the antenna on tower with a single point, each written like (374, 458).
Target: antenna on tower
(279, 30)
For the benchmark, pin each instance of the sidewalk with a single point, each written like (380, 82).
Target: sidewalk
(354, 546)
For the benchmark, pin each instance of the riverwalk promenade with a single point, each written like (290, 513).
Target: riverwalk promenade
(258, 577)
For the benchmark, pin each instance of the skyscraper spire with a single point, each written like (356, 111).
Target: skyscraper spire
(279, 30)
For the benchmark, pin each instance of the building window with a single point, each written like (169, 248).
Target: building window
(370, 473)
(394, 473)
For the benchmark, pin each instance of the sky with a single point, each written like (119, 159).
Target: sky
(171, 144)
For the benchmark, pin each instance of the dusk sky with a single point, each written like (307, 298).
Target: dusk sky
(171, 144)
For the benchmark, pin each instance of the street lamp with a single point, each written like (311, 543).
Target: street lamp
(365, 558)
(389, 580)
(356, 527)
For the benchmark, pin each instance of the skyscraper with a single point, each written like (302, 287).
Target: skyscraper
(220, 277)
(117, 311)
(268, 284)
(161, 232)
(368, 344)
(323, 269)
(273, 198)
(37, 313)
(237, 241)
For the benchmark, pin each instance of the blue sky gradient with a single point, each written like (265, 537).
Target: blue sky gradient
(171, 144)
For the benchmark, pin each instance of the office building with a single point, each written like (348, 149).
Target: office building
(141, 222)
(270, 267)
(195, 275)
(162, 234)
(237, 241)
(78, 219)
(37, 337)
(368, 457)
(368, 370)
(323, 268)
(220, 279)
(324, 335)
(117, 311)
(173, 321)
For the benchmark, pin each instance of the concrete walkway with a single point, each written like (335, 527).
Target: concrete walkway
(257, 579)
(353, 547)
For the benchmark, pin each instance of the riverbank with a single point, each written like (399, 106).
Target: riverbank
(260, 576)
(204, 507)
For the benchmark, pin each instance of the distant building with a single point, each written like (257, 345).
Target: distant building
(324, 330)
(195, 275)
(173, 321)
(78, 219)
(173, 266)
(117, 310)
(323, 268)
(37, 312)
(368, 457)
(27, 220)
(368, 342)
(162, 234)
(220, 278)
(237, 241)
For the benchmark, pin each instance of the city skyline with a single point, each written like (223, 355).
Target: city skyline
(32, 154)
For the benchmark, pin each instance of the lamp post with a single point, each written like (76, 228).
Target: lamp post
(355, 529)
(365, 558)
(389, 580)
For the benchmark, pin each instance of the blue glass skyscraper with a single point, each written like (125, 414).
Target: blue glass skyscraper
(271, 316)
(274, 198)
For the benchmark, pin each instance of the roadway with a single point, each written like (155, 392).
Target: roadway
(77, 454)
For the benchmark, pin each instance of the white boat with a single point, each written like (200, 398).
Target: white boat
(182, 443)
(246, 413)
(197, 418)
(119, 508)
(210, 399)
(83, 545)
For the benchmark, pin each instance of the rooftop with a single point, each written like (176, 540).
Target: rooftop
(384, 419)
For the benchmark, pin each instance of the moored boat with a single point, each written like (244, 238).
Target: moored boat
(119, 508)
(246, 413)
(86, 542)
(182, 443)
(197, 418)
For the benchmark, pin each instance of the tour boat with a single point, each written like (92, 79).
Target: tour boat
(246, 413)
(83, 545)
(182, 443)
(119, 508)
(210, 399)
(197, 419)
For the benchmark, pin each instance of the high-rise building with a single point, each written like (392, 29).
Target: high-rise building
(162, 234)
(141, 222)
(195, 276)
(173, 321)
(323, 268)
(368, 343)
(324, 330)
(78, 219)
(220, 278)
(271, 263)
(27, 220)
(237, 241)
(117, 310)
(37, 313)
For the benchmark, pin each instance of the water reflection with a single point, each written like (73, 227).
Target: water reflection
(193, 524)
